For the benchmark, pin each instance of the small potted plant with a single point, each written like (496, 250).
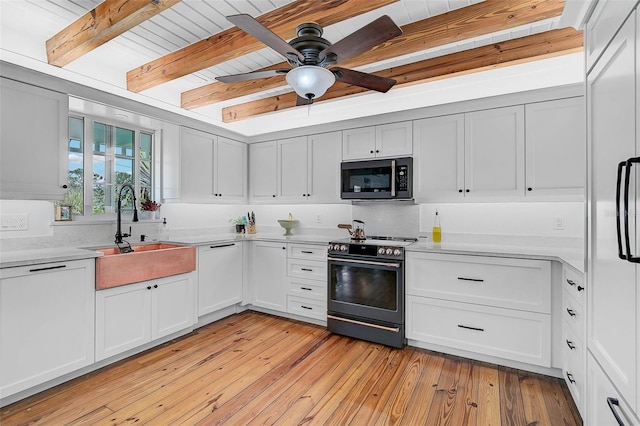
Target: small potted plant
(150, 209)
(240, 224)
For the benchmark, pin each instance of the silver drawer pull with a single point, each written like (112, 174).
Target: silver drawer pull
(307, 252)
(306, 288)
(306, 307)
(470, 328)
(307, 269)
(477, 280)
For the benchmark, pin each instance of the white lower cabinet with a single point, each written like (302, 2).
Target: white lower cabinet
(132, 315)
(220, 271)
(267, 275)
(307, 281)
(605, 405)
(46, 322)
(492, 306)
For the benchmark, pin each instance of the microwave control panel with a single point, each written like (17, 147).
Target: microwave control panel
(402, 178)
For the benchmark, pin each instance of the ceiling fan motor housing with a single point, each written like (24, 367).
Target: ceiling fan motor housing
(310, 43)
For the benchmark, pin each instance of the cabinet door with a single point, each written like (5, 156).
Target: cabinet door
(613, 292)
(46, 323)
(494, 152)
(439, 158)
(268, 275)
(33, 142)
(555, 148)
(230, 171)
(219, 276)
(263, 171)
(325, 155)
(359, 143)
(394, 140)
(173, 302)
(603, 399)
(293, 173)
(196, 164)
(123, 319)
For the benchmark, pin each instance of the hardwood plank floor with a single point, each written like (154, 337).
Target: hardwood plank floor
(253, 368)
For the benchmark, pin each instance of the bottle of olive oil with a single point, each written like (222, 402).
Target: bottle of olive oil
(436, 232)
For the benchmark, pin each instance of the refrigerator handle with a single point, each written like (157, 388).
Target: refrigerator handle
(627, 177)
(621, 254)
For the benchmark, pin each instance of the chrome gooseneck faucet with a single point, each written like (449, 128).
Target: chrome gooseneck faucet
(119, 233)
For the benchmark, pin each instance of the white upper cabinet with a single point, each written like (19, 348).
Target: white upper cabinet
(305, 169)
(294, 167)
(33, 142)
(477, 155)
(213, 169)
(555, 148)
(438, 171)
(263, 168)
(494, 152)
(388, 140)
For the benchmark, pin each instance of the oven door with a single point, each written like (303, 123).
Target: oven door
(367, 290)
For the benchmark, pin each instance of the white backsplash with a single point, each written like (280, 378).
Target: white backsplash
(389, 218)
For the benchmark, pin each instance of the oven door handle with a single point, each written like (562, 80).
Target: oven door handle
(367, 324)
(364, 262)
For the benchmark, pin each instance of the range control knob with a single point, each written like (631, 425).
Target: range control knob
(397, 252)
(389, 251)
(343, 247)
(381, 250)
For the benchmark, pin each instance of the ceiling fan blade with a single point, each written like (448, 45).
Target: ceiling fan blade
(367, 37)
(250, 76)
(362, 79)
(250, 26)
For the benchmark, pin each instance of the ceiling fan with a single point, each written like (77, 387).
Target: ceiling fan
(310, 55)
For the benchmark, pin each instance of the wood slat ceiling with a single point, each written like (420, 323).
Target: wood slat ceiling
(114, 18)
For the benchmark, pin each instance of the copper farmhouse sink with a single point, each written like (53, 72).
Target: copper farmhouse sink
(146, 262)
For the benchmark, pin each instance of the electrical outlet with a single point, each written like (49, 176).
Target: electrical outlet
(318, 218)
(558, 223)
(14, 222)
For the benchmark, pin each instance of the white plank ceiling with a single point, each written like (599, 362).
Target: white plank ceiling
(27, 24)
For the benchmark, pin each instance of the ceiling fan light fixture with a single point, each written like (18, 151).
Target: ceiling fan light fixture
(310, 81)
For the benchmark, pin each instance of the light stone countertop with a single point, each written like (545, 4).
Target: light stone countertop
(571, 256)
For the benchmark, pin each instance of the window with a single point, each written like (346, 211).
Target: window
(107, 156)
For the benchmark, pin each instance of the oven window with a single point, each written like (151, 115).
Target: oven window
(359, 285)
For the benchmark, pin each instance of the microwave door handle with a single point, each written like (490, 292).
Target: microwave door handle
(393, 178)
(627, 178)
(621, 254)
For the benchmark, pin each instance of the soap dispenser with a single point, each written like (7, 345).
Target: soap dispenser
(436, 232)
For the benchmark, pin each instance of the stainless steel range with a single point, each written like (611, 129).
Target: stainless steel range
(366, 289)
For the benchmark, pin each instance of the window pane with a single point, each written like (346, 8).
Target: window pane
(99, 138)
(99, 184)
(75, 182)
(124, 142)
(146, 144)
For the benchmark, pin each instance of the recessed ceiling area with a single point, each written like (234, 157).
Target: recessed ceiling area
(497, 56)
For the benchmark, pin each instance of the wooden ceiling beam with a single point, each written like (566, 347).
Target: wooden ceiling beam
(105, 22)
(511, 52)
(472, 21)
(233, 42)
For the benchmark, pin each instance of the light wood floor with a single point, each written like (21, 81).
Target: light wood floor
(253, 368)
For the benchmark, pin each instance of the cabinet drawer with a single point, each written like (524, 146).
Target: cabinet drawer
(514, 335)
(573, 371)
(308, 251)
(573, 283)
(573, 314)
(313, 289)
(310, 269)
(311, 308)
(507, 283)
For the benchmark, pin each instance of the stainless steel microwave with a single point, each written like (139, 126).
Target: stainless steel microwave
(388, 179)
